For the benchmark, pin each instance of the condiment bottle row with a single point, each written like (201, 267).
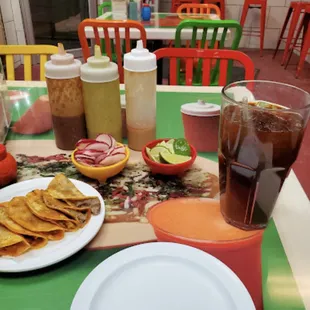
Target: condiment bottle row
(85, 98)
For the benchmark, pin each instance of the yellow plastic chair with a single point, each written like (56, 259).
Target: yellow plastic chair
(27, 51)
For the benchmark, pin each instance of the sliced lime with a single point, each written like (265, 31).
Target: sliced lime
(159, 149)
(151, 156)
(181, 147)
(174, 158)
(148, 151)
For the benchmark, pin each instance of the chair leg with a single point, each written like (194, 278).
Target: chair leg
(288, 15)
(304, 52)
(262, 28)
(294, 44)
(244, 14)
(293, 25)
(222, 2)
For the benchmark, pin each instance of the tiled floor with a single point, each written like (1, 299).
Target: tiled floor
(269, 70)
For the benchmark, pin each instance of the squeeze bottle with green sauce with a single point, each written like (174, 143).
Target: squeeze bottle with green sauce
(101, 96)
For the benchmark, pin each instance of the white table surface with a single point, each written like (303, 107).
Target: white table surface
(291, 215)
(154, 33)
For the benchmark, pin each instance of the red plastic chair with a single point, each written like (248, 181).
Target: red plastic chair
(116, 27)
(262, 4)
(295, 10)
(304, 47)
(191, 54)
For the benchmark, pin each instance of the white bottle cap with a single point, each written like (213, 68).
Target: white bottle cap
(201, 108)
(62, 65)
(140, 59)
(99, 69)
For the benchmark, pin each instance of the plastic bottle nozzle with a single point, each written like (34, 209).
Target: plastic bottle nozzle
(61, 49)
(97, 51)
(139, 45)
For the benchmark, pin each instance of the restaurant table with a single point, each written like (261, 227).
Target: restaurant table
(285, 249)
(162, 26)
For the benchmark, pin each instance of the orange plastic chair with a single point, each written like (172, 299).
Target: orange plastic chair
(219, 3)
(191, 54)
(195, 8)
(176, 3)
(27, 51)
(106, 27)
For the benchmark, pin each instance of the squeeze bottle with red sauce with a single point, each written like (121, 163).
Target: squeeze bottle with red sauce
(64, 86)
(8, 167)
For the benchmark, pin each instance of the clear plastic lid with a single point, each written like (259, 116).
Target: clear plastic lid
(99, 69)
(62, 65)
(201, 108)
(140, 59)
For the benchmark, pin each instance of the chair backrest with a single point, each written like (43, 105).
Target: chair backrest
(211, 32)
(191, 54)
(27, 51)
(103, 6)
(116, 30)
(176, 3)
(196, 8)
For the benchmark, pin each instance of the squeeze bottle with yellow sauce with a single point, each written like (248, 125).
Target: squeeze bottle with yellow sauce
(140, 89)
(101, 96)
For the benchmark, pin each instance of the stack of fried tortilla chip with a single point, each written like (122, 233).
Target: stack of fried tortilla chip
(29, 222)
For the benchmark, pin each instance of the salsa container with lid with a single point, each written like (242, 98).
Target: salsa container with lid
(201, 125)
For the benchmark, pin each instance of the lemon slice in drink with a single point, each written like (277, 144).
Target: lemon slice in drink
(174, 158)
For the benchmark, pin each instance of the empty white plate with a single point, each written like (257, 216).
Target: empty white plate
(162, 276)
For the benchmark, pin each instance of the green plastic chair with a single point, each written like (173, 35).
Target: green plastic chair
(205, 25)
(103, 6)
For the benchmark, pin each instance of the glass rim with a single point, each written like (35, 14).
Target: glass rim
(307, 106)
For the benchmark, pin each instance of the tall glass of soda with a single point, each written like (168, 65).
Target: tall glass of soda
(261, 130)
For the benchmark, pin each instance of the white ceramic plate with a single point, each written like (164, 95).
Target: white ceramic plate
(165, 276)
(54, 251)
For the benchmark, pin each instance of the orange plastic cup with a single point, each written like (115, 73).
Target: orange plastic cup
(198, 222)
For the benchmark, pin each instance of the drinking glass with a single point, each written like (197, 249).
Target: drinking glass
(262, 125)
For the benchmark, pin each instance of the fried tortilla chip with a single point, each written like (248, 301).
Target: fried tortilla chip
(62, 188)
(35, 240)
(20, 213)
(81, 216)
(38, 207)
(12, 244)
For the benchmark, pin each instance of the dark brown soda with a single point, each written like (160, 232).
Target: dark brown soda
(256, 151)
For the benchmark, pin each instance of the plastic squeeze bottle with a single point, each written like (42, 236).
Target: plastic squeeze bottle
(140, 89)
(101, 94)
(64, 87)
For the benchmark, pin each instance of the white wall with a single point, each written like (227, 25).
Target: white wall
(13, 24)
